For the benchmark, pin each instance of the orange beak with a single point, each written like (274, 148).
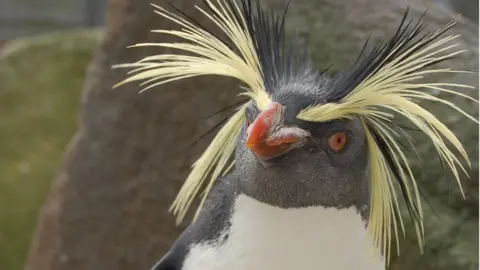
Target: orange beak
(259, 134)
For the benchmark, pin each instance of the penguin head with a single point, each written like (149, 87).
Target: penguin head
(287, 162)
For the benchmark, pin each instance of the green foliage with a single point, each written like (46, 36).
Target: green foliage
(41, 80)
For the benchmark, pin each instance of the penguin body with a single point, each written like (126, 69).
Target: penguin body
(255, 235)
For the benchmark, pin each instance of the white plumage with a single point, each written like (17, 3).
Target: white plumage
(265, 237)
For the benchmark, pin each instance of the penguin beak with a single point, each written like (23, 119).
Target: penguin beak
(267, 136)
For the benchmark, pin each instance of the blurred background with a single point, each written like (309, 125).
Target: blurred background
(85, 178)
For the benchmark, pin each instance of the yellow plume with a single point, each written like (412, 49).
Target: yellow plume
(393, 89)
(211, 56)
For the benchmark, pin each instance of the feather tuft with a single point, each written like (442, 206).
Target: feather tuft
(207, 54)
(385, 85)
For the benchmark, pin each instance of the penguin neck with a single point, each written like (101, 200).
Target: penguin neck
(292, 195)
(292, 185)
(316, 217)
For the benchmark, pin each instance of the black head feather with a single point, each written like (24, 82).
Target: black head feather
(406, 38)
(280, 60)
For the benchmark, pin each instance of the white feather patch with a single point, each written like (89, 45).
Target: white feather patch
(264, 237)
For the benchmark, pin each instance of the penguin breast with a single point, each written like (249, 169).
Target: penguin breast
(266, 237)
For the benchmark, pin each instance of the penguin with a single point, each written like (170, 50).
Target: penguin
(305, 207)
(304, 174)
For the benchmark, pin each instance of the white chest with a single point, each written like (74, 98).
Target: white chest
(263, 237)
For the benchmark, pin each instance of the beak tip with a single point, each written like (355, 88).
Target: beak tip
(257, 131)
(250, 143)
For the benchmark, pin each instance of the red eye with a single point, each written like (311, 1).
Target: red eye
(337, 141)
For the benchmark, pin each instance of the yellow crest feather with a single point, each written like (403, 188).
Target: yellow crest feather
(211, 57)
(393, 88)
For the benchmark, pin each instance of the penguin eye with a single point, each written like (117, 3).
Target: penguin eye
(337, 141)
